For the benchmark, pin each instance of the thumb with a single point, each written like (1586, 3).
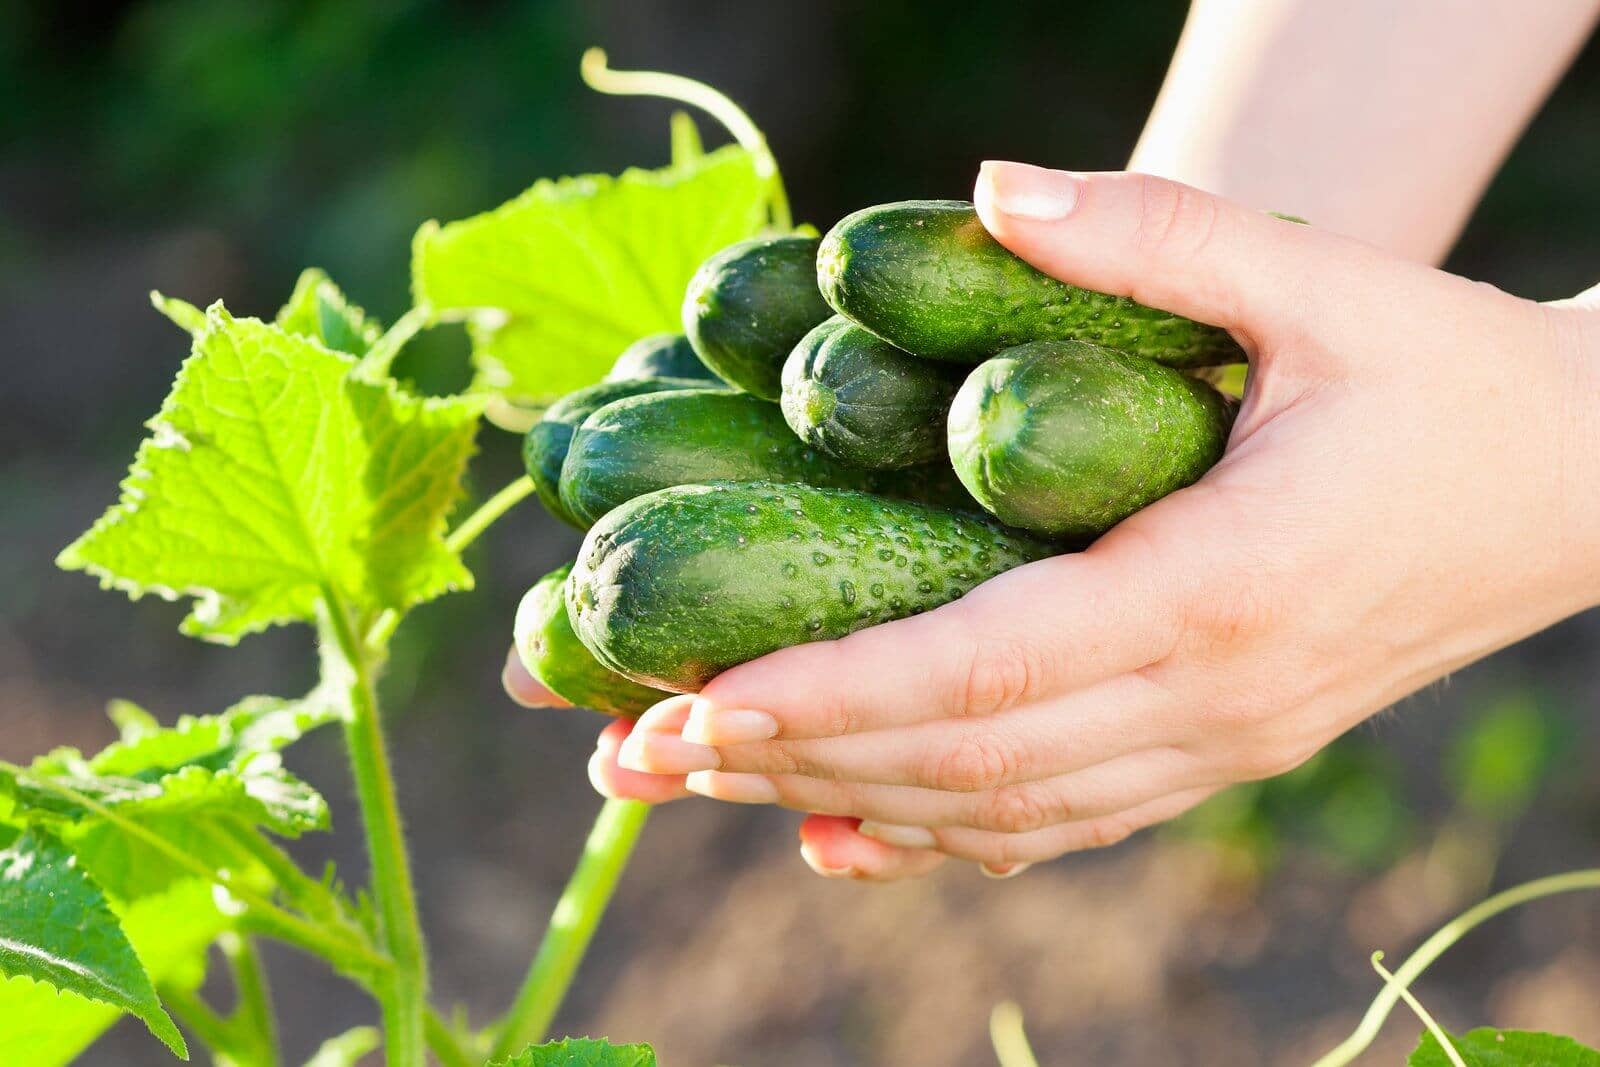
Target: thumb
(1168, 245)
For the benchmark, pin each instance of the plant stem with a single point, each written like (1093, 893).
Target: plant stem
(402, 992)
(459, 538)
(1434, 947)
(572, 925)
(210, 1028)
(1009, 1039)
(602, 79)
(253, 997)
(442, 1040)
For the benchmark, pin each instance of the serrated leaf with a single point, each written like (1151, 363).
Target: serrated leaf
(262, 794)
(581, 1052)
(44, 1027)
(319, 310)
(1488, 1047)
(347, 1049)
(56, 927)
(132, 721)
(272, 475)
(254, 725)
(558, 281)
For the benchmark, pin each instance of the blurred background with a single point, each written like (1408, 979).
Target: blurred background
(212, 149)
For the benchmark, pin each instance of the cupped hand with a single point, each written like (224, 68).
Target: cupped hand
(1413, 481)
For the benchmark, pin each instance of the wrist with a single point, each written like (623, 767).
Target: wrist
(1580, 458)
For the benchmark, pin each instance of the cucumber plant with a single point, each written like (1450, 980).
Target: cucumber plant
(290, 479)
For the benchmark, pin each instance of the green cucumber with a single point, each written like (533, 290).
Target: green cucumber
(749, 305)
(865, 402)
(644, 443)
(553, 654)
(1067, 439)
(926, 276)
(677, 586)
(544, 446)
(661, 355)
(927, 483)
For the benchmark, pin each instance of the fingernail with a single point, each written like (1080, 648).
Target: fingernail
(1003, 870)
(650, 752)
(898, 836)
(734, 787)
(1027, 192)
(707, 725)
(823, 869)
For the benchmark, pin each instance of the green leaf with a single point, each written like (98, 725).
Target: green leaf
(57, 928)
(254, 725)
(582, 1052)
(261, 795)
(271, 475)
(184, 314)
(556, 282)
(347, 1049)
(319, 310)
(1488, 1047)
(48, 1028)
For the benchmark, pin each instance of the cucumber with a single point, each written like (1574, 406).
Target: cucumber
(865, 402)
(544, 446)
(553, 654)
(926, 276)
(677, 586)
(643, 443)
(1067, 439)
(927, 483)
(749, 305)
(661, 355)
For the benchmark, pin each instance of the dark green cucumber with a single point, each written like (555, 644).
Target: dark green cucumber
(544, 446)
(865, 402)
(927, 483)
(644, 443)
(926, 276)
(749, 305)
(1068, 439)
(553, 654)
(677, 586)
(661, 355)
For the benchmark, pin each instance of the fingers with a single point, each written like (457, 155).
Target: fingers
(1045, 739)
(1000, 850)
(1049, 626)
(832, 847)
(1105, 789)
(610, 779)
(1170, 246)
(524, 688)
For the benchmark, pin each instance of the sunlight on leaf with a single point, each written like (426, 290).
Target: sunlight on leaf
(560, 280)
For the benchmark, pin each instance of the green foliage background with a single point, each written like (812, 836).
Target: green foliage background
(212, 149)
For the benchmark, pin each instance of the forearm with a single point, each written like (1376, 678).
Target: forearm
(1384, 121)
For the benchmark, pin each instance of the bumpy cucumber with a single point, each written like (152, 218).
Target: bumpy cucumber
(865, 402)
(553, 654)
(644, 443)
(749, 305)
(926, 276)
(1068, 439)
(661, 355)
(544, 446)
(677, 586)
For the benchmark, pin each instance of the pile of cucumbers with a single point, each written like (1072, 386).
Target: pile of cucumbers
(850, 429)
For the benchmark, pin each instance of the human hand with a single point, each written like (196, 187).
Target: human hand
(1413, 481)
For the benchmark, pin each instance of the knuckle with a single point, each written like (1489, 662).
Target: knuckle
(1000, 674)
(973, 764)
(1103, 833)
(1174, 219)
(1233, 612)
(1016, 810)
